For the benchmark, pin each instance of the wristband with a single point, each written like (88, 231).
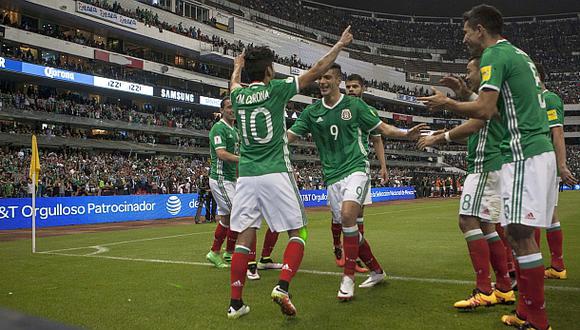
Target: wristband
(472, 97)
(447, 137)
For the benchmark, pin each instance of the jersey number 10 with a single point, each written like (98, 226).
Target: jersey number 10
(266, 119)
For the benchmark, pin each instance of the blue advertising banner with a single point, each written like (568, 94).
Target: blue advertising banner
(58, 74)
(575, 187)
(11, 65)
(16, 213)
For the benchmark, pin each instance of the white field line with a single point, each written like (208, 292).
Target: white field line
(307, 271)
(125, 242)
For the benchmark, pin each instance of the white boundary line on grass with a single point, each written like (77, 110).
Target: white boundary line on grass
(307, 271)
(124, 242)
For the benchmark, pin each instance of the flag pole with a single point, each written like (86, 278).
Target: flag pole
(34, 212)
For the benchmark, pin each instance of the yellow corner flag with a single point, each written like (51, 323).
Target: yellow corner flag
(34, 161)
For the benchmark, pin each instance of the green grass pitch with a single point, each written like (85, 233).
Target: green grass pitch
(157, 277)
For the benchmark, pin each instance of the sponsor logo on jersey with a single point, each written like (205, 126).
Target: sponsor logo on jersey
(319, 120)
(530, 216)
(217, 139)
(552, 115)
(485, 73)
(289, 80)
(346, 114)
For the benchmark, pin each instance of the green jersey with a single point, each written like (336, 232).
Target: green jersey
(223, 136)
(339, 133)
(555, 108)
(260, 119)
(373, 133)
(511, 72)
(483, 153)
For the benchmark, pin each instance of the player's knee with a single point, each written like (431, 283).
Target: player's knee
(467, 223)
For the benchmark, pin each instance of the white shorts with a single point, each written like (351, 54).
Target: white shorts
(355, 187)
(527, 189)
(557, 191)
(223, 192)
(273, 197)
(481, 196)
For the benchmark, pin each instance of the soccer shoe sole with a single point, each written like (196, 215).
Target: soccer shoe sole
(267, 266)
(552, 274)
(285, 303)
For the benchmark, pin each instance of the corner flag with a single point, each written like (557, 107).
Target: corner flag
(34, 162)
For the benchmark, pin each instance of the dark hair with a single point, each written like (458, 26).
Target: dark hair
(258, 59)
(485, 15)
(356, 77)
(541, 71)
(475, 58)
(337, 68)
(223, 102)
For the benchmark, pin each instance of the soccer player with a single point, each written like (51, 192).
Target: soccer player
(511, 86)
(555, 108)
(224, 145)
(480, 202)
(266, 186)
(355, 86)
(338, 124)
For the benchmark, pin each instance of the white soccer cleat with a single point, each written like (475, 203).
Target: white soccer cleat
(236, 314)
(373, 279)
(346, 291)
(265, 264)
(252, 273)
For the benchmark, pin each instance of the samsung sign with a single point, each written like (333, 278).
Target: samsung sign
(176, 95)
(16, 213)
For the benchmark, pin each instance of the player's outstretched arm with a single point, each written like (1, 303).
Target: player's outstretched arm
(227, 156)
(458, 133)
(560, 148)
(394, 132)
(380, 152)
(484, 107)
(323, 64)
(236, 80)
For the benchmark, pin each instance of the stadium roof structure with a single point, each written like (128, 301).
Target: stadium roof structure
(455, 8)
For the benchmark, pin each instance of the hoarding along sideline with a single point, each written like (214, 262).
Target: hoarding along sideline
(16, 213)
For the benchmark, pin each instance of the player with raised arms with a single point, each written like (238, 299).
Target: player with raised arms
(266, 188)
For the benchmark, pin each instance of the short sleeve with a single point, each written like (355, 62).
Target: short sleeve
(302, 125)
(287, 88)
(555, 110)
(217, 139)
(492, 69)
(368, 119)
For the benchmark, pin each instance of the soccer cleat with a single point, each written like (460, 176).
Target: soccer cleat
(360, 267)
(513, 320)
(505, 298)
(476, 299)
(236, 314)
(252, 272)
(552, 273)
(215, 259)
(227, 257)
(346, 291)
(282, 298)
(373, 279)
(268, 263)
(339, 257)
